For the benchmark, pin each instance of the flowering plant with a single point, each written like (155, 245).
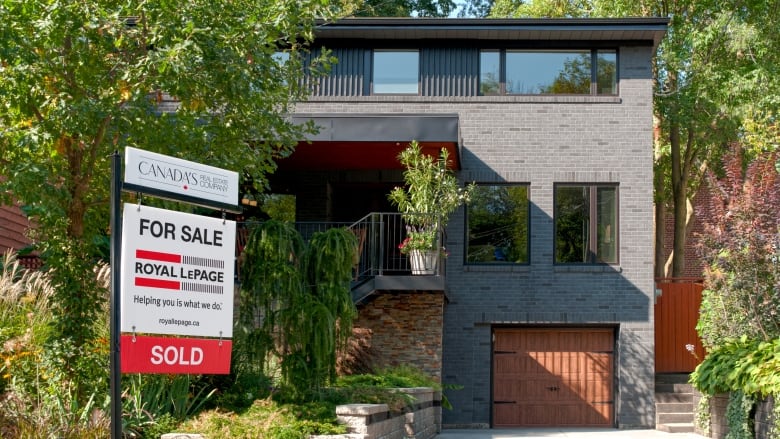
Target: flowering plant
(431, 193)
(418, 240)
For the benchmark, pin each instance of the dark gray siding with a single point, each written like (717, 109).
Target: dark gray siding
(348, 77)
(444, 72)
(449, 72)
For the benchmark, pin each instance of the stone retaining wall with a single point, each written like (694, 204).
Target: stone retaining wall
(376, 421)
(763, 419)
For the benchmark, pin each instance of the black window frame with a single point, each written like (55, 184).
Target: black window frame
(594, 57)
(467, 228)
(592, 249)
(372, 79)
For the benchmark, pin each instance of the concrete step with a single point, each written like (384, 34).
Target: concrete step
(673, 418)
(673, 398)
(672, 378)
(674, 407)
(673, 388)
(673, 403)
(682, 427)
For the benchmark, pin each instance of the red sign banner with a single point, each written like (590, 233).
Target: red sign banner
(143, 354)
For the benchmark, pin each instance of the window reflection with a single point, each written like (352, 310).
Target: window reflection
(489, 72)
(396, 72)
(535, 72)
(607, 72)
(529, 72)
(497, 218)
(586, 224)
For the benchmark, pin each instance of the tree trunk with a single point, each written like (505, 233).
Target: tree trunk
(679, 200)
(659, 223)
(660, 235)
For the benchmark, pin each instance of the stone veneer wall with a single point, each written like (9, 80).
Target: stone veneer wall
(763, 418)
(404, 328)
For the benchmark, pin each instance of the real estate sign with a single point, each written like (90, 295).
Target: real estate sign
(177, 273)
(177, 178)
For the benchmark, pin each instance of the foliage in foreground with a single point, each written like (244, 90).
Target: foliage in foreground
(83, 80)
(743, 364)
(742, 249)
(267, 419)
(295, 304)
(739, 320)
(283, 414)
(39, 396)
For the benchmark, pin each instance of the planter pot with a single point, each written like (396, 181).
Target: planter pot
(424, 261)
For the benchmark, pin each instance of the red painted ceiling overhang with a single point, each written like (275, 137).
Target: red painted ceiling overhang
(362, 142)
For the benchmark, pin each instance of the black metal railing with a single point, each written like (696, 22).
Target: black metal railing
(379, 237)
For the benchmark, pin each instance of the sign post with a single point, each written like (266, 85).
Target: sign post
(172, 272)
(115, 379)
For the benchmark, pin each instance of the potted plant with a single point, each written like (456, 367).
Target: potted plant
(430, 194)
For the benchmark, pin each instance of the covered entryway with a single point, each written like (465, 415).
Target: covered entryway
(545, 377)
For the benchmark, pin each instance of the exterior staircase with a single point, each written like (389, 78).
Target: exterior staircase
(673, 403)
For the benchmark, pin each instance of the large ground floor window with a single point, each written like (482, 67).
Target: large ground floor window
(586, 223)
(498, 223)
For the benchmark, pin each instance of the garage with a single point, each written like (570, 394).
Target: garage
(553, 377)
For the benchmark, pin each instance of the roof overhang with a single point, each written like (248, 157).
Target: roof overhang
(644, 30)
(371, 141)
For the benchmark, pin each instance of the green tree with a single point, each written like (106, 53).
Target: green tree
(541, 9)
(475, 8)
(80, 80)
(712, 77)
(405, 8)
(742, 248)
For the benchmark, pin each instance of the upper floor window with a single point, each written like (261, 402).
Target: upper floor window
(586, 223)
(531, 72)
(498, 223)
(489, 72)
(396, 72)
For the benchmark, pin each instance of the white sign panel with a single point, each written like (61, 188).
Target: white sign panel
(157, 171)
(177, 273)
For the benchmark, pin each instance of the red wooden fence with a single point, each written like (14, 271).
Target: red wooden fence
(676, 314)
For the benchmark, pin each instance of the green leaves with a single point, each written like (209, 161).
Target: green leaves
(296, 307)
(744, 365)
(432, 191)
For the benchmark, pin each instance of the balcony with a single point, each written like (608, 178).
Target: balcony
(379, 265)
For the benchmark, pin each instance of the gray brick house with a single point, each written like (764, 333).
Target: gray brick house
(542, 311)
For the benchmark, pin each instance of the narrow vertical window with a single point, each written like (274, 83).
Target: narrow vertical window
(396, 72)
(586, 224)
(489, 72)
(606, 72)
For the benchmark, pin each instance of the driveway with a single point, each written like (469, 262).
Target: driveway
(562, 433)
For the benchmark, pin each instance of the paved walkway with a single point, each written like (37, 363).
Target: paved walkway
(562, 433)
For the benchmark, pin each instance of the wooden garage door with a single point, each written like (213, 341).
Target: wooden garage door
(553, 377)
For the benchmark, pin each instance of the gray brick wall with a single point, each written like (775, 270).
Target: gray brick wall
(543, 140)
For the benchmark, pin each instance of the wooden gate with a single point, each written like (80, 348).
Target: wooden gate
(676, 315)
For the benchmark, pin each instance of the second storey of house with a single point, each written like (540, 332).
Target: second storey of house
(555, 113)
